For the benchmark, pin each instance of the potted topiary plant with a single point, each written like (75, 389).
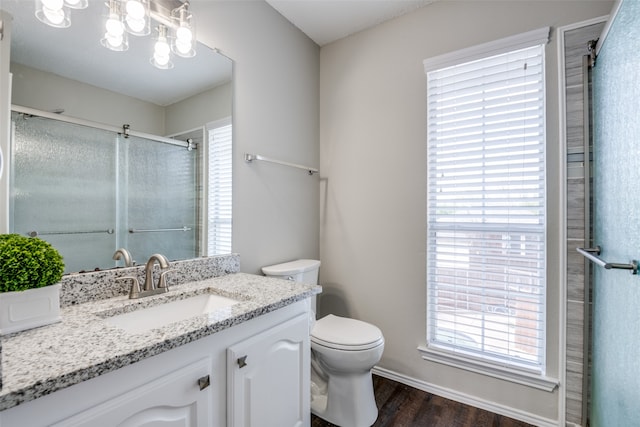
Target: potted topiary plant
(30, 270)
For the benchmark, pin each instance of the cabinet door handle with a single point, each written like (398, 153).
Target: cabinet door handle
(242, 361)
(204, 382)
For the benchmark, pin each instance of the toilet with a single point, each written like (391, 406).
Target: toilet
(343, 352)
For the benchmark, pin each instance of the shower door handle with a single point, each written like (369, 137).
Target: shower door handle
(592, 255)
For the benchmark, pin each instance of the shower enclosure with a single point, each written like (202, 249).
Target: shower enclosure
(89, 190)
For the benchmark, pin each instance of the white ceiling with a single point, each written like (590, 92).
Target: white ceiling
(326, 21)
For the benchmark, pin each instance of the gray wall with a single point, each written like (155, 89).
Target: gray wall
(373, 197)
(198, 110)
(47, 92)
(276, 74)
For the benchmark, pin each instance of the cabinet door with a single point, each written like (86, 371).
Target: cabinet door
(181, 398)
(268, 377)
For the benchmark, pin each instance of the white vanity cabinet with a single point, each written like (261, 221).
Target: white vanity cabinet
(179, 399)
(170, 389)
(268, 378)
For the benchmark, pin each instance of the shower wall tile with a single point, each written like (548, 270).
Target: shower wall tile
(575, 115)
(577, 373)
(575, 272)
(574, 390)
(575, 331)
(575, 209)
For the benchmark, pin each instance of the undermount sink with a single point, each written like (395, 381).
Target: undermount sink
(157, 316)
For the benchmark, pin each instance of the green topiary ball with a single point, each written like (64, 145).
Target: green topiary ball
(28, 262)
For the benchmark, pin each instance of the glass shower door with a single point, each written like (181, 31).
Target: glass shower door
(64, 188)
(161, 199)
(615, 385)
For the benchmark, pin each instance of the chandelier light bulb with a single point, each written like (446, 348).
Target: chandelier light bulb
(137, 17)
(161, 50)
(136, 25)
(183, 42)
(115, 37)
(114, 41)
(160, 59)
(54, 16)
(135, 9)
(184, 34)
(52, 13)
(114, 26)
(182, 47)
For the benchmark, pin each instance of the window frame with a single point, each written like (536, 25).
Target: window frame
(211, 223)
(460, 359)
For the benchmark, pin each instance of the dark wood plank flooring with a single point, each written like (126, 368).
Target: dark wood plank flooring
(402, 406)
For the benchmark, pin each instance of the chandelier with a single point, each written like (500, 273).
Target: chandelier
(174, 29)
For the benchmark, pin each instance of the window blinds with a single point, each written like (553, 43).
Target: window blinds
(219, 189)
(486, 209)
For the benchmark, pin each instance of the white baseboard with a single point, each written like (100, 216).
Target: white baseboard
(466, 399)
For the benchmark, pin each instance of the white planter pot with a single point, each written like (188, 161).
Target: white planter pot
(29, 309)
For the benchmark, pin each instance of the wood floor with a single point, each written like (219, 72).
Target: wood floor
(403, 406)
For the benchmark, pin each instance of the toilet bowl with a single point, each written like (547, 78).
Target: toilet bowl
(343, 352)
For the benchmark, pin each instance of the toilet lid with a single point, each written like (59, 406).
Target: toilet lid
(345, 334)
(291, 267)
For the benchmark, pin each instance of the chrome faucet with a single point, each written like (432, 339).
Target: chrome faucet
(125, 255)
(148, 271)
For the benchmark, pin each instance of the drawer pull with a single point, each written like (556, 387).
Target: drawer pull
(242, 361)
(204, 382)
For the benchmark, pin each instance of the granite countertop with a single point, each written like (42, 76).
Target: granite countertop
(84, 345)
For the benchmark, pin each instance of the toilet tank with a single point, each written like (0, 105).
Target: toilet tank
(301, 270)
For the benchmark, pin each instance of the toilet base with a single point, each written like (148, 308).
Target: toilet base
(348, 402)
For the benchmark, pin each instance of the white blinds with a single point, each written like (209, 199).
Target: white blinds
(219, 190)
(486, 208)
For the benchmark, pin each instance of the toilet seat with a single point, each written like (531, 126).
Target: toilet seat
(343, 333)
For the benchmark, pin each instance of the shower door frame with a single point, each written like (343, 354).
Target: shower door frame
(97, 125)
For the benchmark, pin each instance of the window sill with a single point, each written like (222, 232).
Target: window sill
(459, 361)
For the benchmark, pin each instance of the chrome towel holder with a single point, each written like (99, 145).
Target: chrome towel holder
(592, 255)
(35, 233)
(251, 157)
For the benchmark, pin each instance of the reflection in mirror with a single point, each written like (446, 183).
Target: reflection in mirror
(79, 183)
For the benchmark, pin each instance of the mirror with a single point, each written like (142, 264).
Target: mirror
(53, 68)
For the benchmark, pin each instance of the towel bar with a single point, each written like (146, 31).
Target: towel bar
(51, 233)
(136, 230)
(251, 157)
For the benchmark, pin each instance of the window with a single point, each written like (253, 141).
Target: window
(220, 187)
(486, 205)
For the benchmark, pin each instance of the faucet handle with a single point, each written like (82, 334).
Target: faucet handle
(162, 281)
(134, 291)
